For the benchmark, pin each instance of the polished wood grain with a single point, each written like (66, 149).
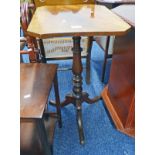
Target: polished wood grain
(61, 2)
(30, 142)
(35, 84)
(75, 20)
(119, 96)
(121, 86)
(111, 109)
(129, 129)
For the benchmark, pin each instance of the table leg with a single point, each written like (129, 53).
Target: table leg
(79, 121)
(43, 137)
(77, 84)
(88, 58)
(105, 57)
(77, 97)
(43, 59)
(56, 90)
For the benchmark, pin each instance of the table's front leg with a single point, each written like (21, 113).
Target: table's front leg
(79, 120)
(77, 83)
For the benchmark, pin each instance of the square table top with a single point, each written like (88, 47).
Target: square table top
(35, 85)
(75, 20)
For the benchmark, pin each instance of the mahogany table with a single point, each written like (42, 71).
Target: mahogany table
(119, 94)
(35, 85)
(76, 20)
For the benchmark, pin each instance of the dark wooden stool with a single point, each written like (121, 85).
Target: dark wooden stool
(36, 130)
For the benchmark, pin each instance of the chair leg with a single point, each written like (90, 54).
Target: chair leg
(58, 107)
(88, 59)
(42, 49)
(33, 56)
(105, 58)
